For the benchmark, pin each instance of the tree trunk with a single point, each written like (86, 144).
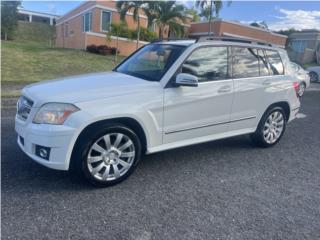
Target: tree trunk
(210, 17)
(5, 36)
(138, 34)
(117, 45)
(160, 32)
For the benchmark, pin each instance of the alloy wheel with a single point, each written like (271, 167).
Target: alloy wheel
(313, 77)
(301, 89)
(111, 156)
(273, 127)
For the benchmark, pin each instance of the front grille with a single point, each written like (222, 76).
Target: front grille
(24, 106)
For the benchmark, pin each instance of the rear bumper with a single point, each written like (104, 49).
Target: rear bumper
(293, 113)
(57, 138)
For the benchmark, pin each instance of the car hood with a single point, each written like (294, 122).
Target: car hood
(85, 88)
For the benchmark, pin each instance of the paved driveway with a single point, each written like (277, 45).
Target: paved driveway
(219, 190)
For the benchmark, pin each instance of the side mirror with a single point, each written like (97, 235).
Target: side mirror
(186, 79)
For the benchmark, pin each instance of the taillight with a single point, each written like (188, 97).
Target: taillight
(296, 87)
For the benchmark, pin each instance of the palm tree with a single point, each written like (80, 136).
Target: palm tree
(135, 7)
(195, 15)
(215, 6)
(205, 13)
(166, 14)
(115, 30)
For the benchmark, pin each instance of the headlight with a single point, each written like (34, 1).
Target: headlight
(54, 113)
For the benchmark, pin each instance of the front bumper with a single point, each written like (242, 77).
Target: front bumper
(58, 138)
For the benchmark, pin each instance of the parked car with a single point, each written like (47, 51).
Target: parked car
(166, 95)
(303, 78)
(314, 73)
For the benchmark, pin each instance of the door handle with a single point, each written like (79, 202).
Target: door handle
(224, 89)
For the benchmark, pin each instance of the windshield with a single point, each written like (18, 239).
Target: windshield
(151, 62)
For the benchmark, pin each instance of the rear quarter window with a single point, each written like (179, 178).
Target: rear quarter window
(276, 65)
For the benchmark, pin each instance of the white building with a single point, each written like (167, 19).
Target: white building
(32, 16)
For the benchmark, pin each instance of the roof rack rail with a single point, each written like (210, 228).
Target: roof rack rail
(210, 38)
(172, 39)
(233, 39)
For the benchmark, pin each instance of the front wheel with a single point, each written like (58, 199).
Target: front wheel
(107, 156)
(271, 128)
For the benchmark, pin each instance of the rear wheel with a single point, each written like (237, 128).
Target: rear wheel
(301, 89)
(271, 128)
(108, 156)
(314, 77)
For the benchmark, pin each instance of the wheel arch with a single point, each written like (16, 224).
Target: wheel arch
(129, 122)
(284, 105)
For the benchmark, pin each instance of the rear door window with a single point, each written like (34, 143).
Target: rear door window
(245, 62)
(275, 62)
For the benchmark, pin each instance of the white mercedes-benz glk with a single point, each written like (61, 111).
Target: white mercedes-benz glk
(166, 95)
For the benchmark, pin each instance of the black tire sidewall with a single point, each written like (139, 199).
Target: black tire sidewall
(316, 77)
(90, 138)
(258, 135)
(304, 88)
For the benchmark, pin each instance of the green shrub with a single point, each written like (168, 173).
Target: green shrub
(102, 49)
(92, 48)
(147, 35)
(125, 32)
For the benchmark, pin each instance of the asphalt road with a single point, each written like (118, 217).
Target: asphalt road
(226, 189)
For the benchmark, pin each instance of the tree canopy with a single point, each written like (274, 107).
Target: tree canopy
(9, 18)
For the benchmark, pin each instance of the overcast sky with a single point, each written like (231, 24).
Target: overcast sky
(277, 14)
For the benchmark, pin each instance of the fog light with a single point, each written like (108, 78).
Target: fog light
(43, 152)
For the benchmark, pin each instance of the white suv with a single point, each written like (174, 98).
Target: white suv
(166, 95)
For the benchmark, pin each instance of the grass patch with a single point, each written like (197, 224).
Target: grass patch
(37, 32)
(26, 62)
(10, 94)
(311, 65)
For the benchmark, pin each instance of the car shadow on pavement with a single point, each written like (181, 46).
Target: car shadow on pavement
(27, 175)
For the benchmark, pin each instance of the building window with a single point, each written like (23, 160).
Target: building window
(87, 22)
(105, 21)
(208, 64)
(245, 63)
(299, 45)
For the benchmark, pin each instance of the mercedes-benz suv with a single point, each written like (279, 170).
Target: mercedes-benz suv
(166, 95)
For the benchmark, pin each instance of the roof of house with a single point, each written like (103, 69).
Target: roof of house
(307, 33)
(245, 26)
(35, 13)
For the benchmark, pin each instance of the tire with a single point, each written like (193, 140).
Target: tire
(274, 118)
(314, 77)
(106, 155)
(302, 89)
